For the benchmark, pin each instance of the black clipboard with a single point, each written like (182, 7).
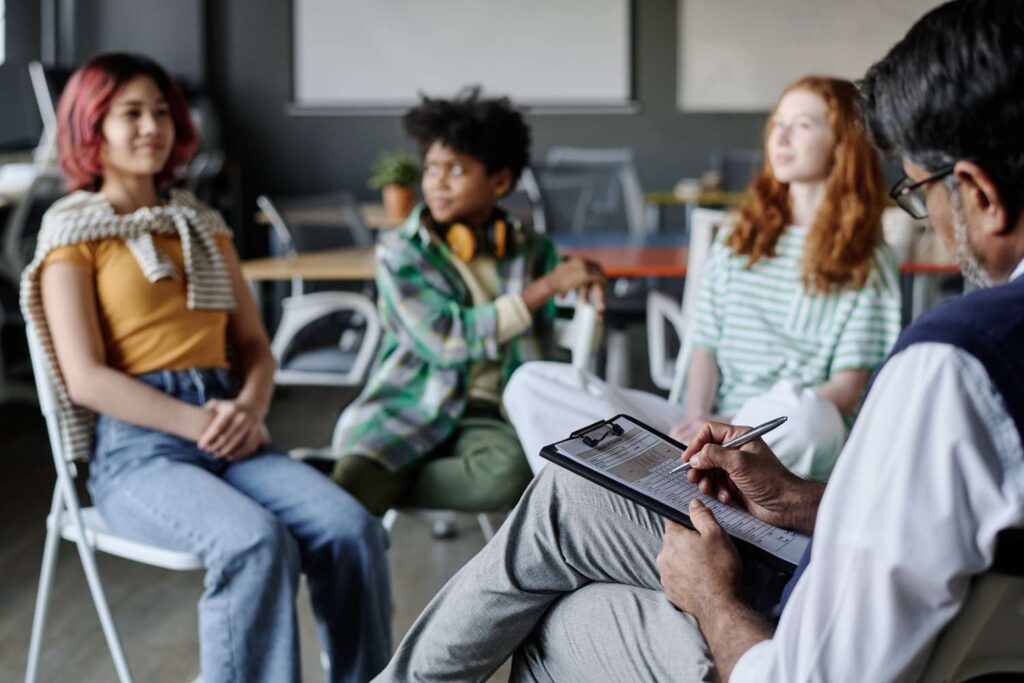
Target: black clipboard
(747, 550)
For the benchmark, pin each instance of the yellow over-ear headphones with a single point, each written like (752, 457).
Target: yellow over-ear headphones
(462, 241)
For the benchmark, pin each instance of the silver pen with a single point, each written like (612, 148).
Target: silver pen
(741, 439)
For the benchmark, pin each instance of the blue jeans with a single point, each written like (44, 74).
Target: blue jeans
(256, 524)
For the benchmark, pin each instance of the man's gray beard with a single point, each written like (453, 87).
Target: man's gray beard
(965, 259)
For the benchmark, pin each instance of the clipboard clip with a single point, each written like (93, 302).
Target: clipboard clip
(584, 433)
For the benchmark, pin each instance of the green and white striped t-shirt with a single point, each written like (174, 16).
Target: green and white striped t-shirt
(763, 326)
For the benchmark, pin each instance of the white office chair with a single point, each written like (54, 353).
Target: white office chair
(581, 336)
(348, 320)
(662, 309)
(85, 528)
(736, 167)
(610, 195)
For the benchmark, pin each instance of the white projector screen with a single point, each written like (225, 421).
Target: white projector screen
(738, 55)
(380, 53)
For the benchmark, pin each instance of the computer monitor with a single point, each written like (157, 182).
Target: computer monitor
(20, 124)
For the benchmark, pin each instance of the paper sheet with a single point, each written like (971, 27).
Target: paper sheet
(642, 460)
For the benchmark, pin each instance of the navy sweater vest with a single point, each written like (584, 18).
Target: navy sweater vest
(989, 325)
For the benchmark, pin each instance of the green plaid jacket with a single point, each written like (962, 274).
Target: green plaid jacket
(432, 334)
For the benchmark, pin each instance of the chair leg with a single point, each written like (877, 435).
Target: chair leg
(485, 526)
(50, 552)
(99, 598)
(92, 575)
(388, 520)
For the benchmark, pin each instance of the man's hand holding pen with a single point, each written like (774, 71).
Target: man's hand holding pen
(751, 477)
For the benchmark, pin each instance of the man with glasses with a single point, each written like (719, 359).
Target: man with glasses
(928, 489)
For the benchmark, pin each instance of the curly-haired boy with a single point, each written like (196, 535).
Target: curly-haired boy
(465, 298)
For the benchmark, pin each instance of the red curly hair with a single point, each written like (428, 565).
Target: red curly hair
(847, 226)
(86, 101)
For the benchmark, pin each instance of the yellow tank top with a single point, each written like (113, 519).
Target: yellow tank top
(147, 326)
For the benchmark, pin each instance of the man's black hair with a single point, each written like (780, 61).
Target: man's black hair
(492, 130)
(953, 89)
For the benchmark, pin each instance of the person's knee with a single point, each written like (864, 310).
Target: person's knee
(371, 484)
(811, 440)
(500, 474)
(818, 422)
(348, 527)
(558, 482)
(258, 542)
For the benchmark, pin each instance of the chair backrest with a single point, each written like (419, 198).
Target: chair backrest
(202, 173)
(591, 190)
(314, 223)
(525, 202)
(22, 229)
(47, 396)
(736, 167)
(704, 225)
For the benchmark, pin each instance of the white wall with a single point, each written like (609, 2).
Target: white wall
(359, 53)
(738, 55)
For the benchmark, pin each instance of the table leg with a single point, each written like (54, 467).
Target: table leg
(617, 368)
(923, 294)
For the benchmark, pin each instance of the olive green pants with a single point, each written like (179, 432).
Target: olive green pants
(479, 468)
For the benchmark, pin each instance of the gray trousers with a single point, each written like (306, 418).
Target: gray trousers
(569, 587)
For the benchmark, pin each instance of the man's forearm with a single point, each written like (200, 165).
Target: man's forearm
(731, 628)
(802, 501)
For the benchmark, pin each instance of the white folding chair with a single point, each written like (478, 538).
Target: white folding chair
(85, 528)
(661, 309)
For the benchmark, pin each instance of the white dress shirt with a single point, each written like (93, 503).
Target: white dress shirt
(933, 470)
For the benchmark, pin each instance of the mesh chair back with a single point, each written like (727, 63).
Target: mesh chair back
(315, 222)
(202, 174)
(591, 191)
(736, 167)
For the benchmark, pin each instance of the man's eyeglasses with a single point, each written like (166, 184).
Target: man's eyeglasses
(910, 196)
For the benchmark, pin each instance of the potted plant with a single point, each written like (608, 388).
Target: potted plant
(395, 174)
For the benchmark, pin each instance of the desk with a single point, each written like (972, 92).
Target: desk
(658, 201)
(631, 256)
(703, 198)
(348, 263)
(631, 261)
(634, 261)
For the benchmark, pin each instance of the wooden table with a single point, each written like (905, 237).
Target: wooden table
(357, 263)
(630, 261)
(702, 198)
(349, 263)
(634, 261)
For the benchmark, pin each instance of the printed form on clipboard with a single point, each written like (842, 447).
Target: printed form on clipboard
(632, 459)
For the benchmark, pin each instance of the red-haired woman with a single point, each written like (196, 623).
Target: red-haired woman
(799, 302)
(136, 295)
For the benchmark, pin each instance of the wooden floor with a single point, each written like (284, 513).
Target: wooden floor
(154, 609)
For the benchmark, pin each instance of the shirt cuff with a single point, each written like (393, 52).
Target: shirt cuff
(513, 317)
(754, 664)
